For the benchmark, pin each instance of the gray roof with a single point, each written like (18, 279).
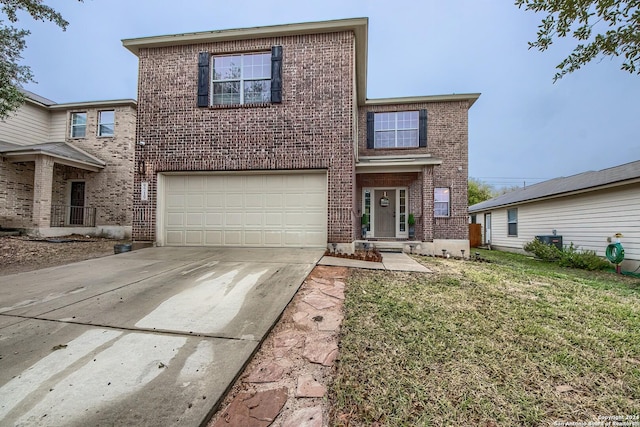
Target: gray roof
(557, 186)
(35, 97)
(56, 149)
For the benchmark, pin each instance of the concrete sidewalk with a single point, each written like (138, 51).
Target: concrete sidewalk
(392, 261)
(152, 337)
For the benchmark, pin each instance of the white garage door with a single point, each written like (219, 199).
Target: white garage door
(244, 210)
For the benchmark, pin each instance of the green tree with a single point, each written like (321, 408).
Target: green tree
(479, 191)
(618, 24)
(12, 43)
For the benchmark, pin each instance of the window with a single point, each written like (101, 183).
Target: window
(512, 222)
(396, 130)
(106, 123)
(241, 79)
(78, 125)
(441, 202)
(402, 206)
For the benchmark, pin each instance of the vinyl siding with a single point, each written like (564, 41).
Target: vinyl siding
(586, 220)
(58, 130)
(30, 125)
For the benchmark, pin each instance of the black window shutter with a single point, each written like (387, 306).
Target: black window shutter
(422, 129)
(203, 79)
(276, 74)
(370, 129)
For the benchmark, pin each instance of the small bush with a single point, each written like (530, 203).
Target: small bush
(569, 257)
(542, 250)
(586, 260)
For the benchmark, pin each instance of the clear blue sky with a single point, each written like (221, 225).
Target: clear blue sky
(523, 127)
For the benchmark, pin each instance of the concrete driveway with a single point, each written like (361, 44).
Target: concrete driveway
(151, 337)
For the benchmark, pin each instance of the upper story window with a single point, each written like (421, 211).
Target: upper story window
(241, 79)
(249, 78)
(78, 125)
(106, 123)
(397, 129)
(441, 202)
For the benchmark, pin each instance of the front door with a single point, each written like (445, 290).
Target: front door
(487, 229)
(384, 213)
(76, 216)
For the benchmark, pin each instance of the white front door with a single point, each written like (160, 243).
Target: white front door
(387, 212)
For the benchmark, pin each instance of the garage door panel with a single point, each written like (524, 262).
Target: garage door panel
(175, 219)
(273, 238)
(214, 220)
(233, 219)
(175, 237)
(234, 201)
(253, 238)
(194, 238)
(233, 237)
(254, 200)
(245, 210)
(175, 201)
(195, 201)
(215, 200)
(213, 238)
(253, 219)
(195, 219)
(273, 219)
(195, 183)
(273, 200)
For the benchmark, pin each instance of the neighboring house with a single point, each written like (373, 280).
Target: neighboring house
(265, 137)
(68, 168)
(587, 210)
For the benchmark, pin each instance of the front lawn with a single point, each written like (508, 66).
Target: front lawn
(506, 343)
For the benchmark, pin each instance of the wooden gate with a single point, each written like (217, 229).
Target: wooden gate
(475, 235)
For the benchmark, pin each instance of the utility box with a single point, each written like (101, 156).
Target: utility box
(551, 240)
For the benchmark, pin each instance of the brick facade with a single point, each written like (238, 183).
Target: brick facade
(320, 124)
(29, 189)
(447, 139)
(16, 194)
(311, 129)
(110, 190)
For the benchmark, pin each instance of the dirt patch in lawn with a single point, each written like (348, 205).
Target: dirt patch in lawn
(19, 254)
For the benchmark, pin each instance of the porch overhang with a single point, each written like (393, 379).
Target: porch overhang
(401, 163)
(61, 153)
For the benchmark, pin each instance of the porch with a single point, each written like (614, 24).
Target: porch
(394, 199)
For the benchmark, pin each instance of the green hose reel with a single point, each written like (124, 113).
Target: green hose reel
(615, 253)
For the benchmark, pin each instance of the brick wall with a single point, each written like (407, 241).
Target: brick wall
(16, 193)
(110, 190)
(311, 129)
(447, 139)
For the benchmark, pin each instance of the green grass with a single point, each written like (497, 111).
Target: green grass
(510, 342)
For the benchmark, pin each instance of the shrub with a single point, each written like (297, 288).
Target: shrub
(542, 250)
(569, 257)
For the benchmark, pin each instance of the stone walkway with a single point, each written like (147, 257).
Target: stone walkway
(285, 385)
(391, 261)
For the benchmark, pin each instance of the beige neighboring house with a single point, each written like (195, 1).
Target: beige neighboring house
(68, 168)
(586, 209)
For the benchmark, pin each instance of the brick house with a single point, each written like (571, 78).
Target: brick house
(264, 137)
(68, 168)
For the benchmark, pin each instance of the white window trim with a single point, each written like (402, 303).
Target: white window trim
(241, 79)
(512, 222)
(399, 234)
(395, 129)
(105, 123)
(72, 126)
(448, 215)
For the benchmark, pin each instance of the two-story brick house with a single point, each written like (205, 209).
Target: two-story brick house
(264, 137)
(68, 168)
